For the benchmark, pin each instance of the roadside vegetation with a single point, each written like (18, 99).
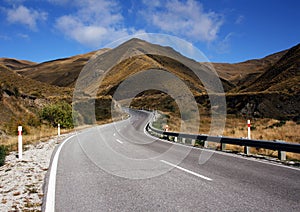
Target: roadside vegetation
(42, 125)
(36, 127)
(236, 126)
(57, 113)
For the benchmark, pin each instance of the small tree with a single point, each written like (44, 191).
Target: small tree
(58, 113)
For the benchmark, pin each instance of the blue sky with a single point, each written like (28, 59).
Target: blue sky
(224, 30)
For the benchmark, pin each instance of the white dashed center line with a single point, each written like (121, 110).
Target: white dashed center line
(121, 142)
(186, 170)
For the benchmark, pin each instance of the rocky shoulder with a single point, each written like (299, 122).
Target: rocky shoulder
(22, 181)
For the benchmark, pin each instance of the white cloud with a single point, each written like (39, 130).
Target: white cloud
(5, 37)
(60, 2)
(95, 22)
(153, 3)
(14, 2)
(223, 46)
(26, 16)
(240, 19)
(23, 36)
(183, 18)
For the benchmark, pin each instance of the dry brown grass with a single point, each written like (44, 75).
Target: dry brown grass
(40, 134)
(262, 129)
(43, 134)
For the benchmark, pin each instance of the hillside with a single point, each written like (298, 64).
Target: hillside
(282, 76)
(61, 72)
(22, 97)
(243, 72)
(267, 87)
(15, 64)
(275, 92)
(135, 56)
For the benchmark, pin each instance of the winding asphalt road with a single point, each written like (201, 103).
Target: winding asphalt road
(118, 167)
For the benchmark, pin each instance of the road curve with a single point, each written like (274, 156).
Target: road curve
(117, 167)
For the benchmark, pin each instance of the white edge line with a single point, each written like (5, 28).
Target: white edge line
(50, 199)
(121, 142)
(186, 170)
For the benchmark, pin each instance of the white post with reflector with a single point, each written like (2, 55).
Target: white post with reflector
(20, 144)
(246, 148)
(58, 129)
(249, 129)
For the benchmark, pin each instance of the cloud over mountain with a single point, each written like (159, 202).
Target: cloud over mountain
(94, 23)
(185, 18)
(26, 16)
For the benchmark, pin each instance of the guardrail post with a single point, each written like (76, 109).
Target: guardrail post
(183, 140)
(205, 144)
(246, 150)
(223, 146)
(281, 155)
(193, 142)
(175, 139)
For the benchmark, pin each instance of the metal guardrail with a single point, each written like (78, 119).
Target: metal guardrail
(279, 146)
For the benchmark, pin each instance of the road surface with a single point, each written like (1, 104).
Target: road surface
(118, 167)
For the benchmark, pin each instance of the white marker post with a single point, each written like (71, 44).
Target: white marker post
(246, 148)
(58, 129)
(249, 128)
(20, 148)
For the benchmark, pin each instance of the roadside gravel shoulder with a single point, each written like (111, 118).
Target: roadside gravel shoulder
(21, 182)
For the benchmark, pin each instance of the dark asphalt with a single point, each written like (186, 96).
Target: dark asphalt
(117, 167)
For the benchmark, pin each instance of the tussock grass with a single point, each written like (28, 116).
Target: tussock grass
(39, 134)
(42, 134)
(261, 129)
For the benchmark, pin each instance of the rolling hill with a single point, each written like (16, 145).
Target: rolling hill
(275, 92)
(15, 64)
(267, 87)
(61, 72)
(21, 98)
(283, 76)
(135, 56)
(243, 72)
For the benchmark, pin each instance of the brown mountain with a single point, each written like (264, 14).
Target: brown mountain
(61, 72)
(273, 93)
(135, 56)
(244, 72)
(282, 76)
(22, 97)
(267, 87)
(15, 64)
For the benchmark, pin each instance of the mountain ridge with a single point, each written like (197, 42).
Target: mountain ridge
(249, 85)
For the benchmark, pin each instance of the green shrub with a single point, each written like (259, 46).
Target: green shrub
(58, 113)
(3, 153)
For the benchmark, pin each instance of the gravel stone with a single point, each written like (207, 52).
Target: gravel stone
(21, 182)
